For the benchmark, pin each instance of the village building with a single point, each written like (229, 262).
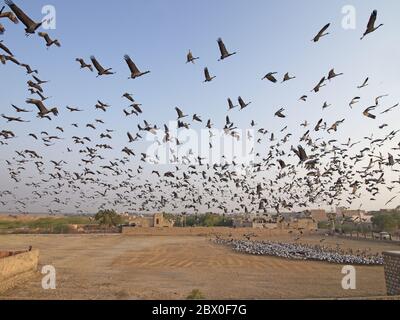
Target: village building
(319, 215)
(298, 220)
(155, 221)
(289, 221)
(346, 213)
(354, 215)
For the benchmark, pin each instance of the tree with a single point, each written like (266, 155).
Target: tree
(108, 218)
(332, 220)
(386, 222)
(208, 220)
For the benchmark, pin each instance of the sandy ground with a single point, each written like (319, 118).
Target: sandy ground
(170, 267)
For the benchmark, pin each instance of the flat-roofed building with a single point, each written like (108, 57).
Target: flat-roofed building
(346, 213)
(319, 215)
(155, 221)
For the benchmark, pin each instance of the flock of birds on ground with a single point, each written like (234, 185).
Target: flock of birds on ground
(298, 251)
(290, 175)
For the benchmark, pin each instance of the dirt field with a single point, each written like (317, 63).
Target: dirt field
(170, 267)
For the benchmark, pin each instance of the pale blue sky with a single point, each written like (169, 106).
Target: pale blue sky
(268, 36)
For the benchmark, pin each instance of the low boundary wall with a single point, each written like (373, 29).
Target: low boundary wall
(17, 268)
(204, 231)
(392, 272)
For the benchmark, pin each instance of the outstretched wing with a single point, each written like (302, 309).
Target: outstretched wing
(45, 36)
(16, 108)
(222, 47)
(3, 47)
(19, 13)
(10, 16)
(325, 28)
(206, 73)
(39, 104)
(131, 65)
(179, 112)
(272, 78)
(130, 137)
(372, 20)
(36, 79)
(321, 32)
(96, 64)
(12, 59)
(302, 153)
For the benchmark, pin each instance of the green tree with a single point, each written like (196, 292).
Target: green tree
(208, 220)
(386, 222)
(108, 218)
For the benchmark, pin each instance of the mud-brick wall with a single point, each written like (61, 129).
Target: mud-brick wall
(16, 269)
(392, 272)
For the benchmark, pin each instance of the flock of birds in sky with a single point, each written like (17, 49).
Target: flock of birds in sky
(290, 175)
